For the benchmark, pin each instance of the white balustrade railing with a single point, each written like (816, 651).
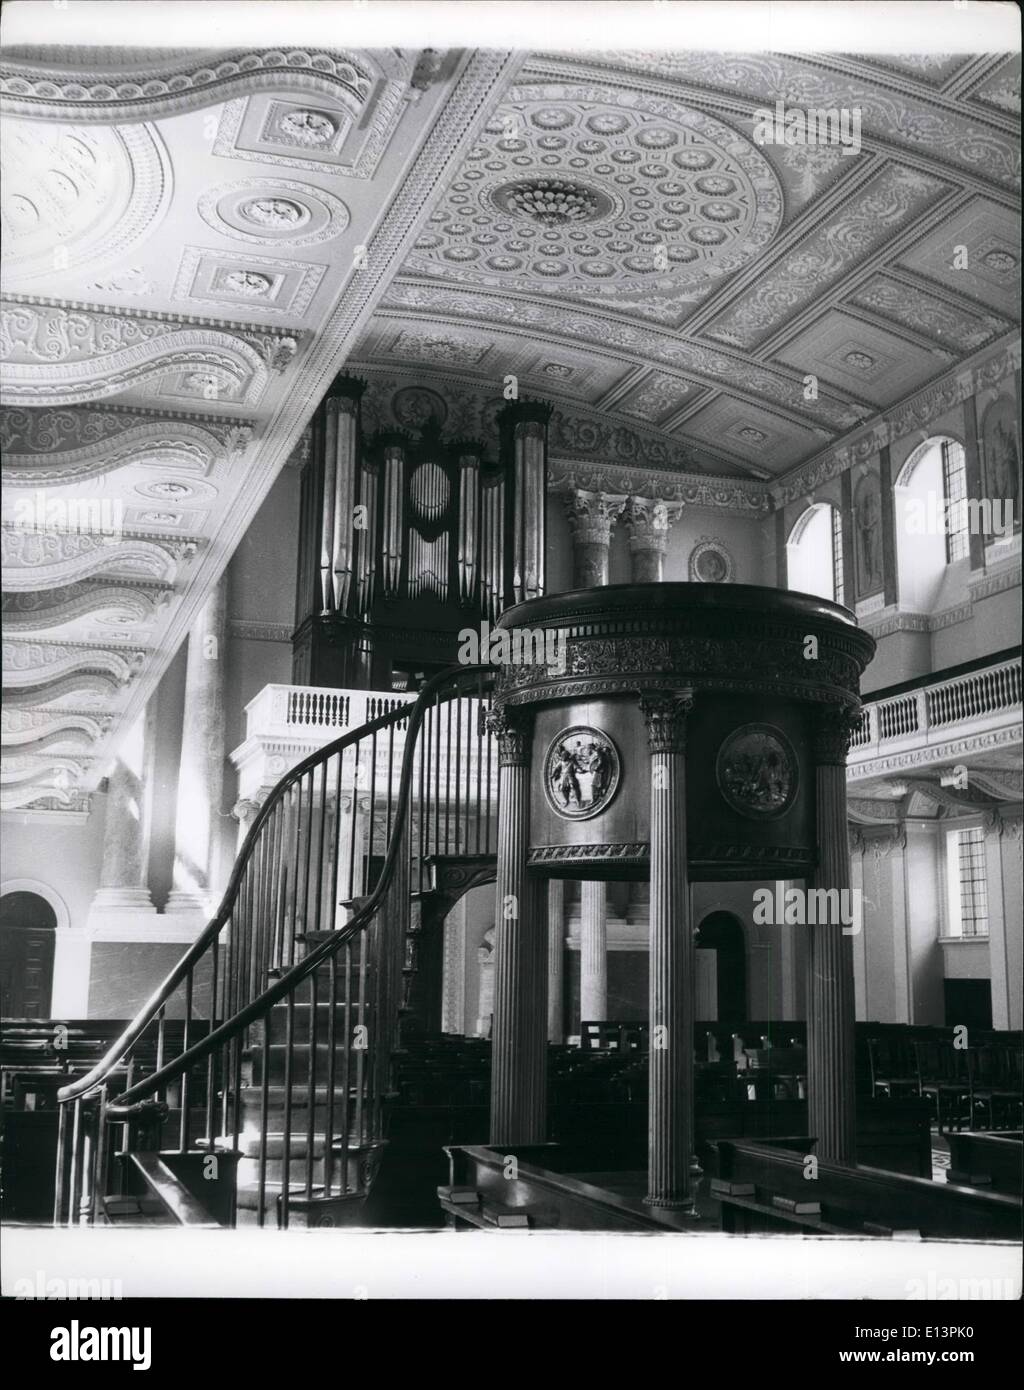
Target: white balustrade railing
(282, 710)
(931, 713)
(284, 723)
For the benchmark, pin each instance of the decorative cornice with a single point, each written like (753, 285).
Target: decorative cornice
(660, 485)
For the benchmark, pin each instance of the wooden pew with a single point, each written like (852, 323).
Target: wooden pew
(859, 1201)
(991, 1159)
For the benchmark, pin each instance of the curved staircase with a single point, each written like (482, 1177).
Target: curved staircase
(270, 1107)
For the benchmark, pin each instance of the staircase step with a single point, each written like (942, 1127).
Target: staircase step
(301, 1018)
(300, 1062)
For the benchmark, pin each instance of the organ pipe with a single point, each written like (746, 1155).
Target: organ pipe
(469, 494)
(391, 548)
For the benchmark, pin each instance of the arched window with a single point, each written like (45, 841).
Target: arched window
(814, 553)
(932, 519)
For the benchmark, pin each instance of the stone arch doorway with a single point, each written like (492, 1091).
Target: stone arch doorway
(722, 933)
(28, 928)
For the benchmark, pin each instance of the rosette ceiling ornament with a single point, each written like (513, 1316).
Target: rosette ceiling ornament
(602, 193)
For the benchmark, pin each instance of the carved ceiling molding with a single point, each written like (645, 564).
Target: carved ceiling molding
(41, 559)
(47, 85)
(970, 378)
(43, 728)
(910, 122)
(89, 690)
(25, 663)
(710, 364)
(56, 354)
(42, 804)
(55, 446)
(122, 605)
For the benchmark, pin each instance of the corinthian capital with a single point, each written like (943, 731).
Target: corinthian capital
(592, 514)
(834, 727)
(665, 714)
(513, 728)
(647, 521)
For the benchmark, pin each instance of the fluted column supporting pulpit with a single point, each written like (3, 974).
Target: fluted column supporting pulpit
(830, 991)
(670, 1094)
(593, 951)
(519, 1032)
(556, 959)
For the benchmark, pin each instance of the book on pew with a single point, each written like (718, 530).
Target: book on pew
(965, 1179)
(461, 1196)
(506, 1217)
(797, 1207)
(875, 1228)
(724, 1188)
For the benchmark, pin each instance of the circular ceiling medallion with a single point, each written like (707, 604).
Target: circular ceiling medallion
(581, 772)
(284, 212)
(644, 195)
(757, 771)
(91, 192)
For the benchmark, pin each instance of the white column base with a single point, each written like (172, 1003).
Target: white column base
(133, 900)
(181, 901)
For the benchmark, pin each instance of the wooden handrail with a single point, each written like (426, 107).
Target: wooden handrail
(258, 1007)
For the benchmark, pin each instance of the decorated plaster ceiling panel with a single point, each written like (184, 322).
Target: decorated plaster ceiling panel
(604, 194)
(1000, 90)
(861, 358)
(976, 254)
(761, 437)
(558, 371)
(924, 311)
(889, 202)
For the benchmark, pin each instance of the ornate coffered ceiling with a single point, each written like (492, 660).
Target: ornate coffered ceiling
(192, 242)
(196, 240)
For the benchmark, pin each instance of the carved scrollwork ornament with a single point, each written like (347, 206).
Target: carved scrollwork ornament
(665, 714)
(513, 729)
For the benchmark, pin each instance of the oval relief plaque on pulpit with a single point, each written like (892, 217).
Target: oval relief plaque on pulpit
(757, 771)
(581, 772)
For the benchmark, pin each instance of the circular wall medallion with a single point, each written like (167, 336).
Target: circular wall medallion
(757, 771)
(710, 563)
(581, 772)
(416, 406)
